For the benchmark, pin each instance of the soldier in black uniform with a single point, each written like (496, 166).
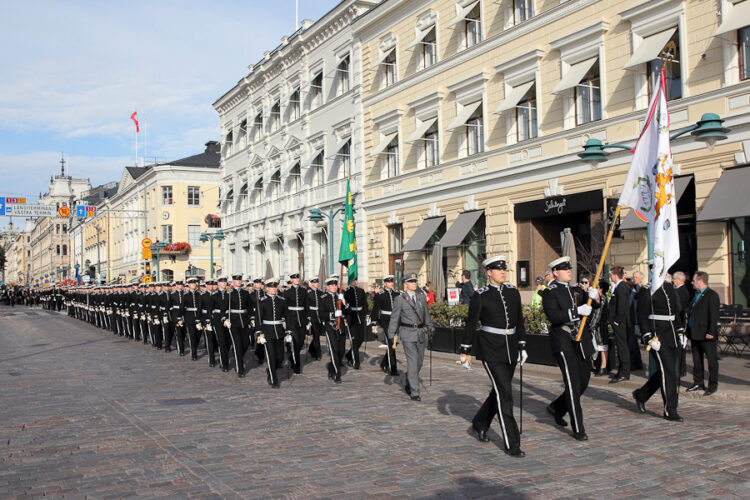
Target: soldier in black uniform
(209, 333)
(357, 314)
(220, 321)
(314, 318)
(256, 294)
(500, 344)
(296, 303)
(240, 311)
(192, 316)
(381, 312)
(143, 312)
(660, 319)
(177, 315)
(270, 316)
(565, 306)
(334, 327)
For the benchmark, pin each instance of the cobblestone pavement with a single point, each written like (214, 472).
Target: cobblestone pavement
(88, 414)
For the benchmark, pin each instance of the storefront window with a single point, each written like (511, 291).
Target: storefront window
(740, 239)
(474, 249)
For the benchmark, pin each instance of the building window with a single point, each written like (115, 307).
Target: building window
(194, 196)
(429, 49)
(431, 151)
(473, 27)
(243, 133)
(671, 52)
(166, 195)
(258, 193)
(166, 233)
(475, 133)
(395, 238)
(526, 123)
(275, 182)
(194, 235)
(295, 176)
(65, 249)
(389, 69)
(317, 170)
(57, 228)
(588, 97)
(275, 117)
(228, 144)
(391, 157)
(523, 10)
(294, 105)
(58, 249)
(258, 127)
(743, 39)
(167, 275)
(342, 76)
(345, 159)
(316, 91)
(64, 228)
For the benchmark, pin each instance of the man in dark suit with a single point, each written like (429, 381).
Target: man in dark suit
(703, 325)
(619, 308)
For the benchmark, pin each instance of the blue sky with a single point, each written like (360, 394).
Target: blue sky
(74, 71)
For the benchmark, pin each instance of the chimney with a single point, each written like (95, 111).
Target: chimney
(213, 147)
(306, 23)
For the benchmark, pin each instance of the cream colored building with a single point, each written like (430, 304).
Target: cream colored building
(17, 245)
(167, 203)
(475, 112)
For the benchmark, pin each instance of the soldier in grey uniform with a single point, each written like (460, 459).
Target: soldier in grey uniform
(410, 319)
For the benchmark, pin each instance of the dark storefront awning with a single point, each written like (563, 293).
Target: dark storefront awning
(729, 198)
(633, 222)
(423, 234)
(460, 228)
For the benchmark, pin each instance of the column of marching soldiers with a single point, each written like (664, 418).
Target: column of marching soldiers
(227, 320)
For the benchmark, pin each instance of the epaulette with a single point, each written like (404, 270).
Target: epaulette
(264, 297)
(551, 285)
(481, 290)
(381, 292)
(508, 285)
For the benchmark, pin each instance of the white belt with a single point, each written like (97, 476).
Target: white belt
(268, 322)
(191, 309)
(216, 310)
(387, 313)
(355, 308)
(296, 308)
(238, 311)
(499, 331)
(660, 317)
(175, 307)
(313, 308)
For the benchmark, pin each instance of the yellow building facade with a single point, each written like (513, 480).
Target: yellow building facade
(475, 113)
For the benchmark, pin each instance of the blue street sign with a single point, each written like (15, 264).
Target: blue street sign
(80, 210)
(2, 206)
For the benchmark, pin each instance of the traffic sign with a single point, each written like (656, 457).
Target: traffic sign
(18, 201)
(146, 242)
(146, 279)
(2, 206)
(63, 211)
(22, 210)
(146, 254)
(80, 210)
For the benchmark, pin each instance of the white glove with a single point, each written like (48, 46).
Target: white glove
(368, 321)
(209, 328)
(262, 339)
(337, 314)
(683, 341)
(156, 321)
(522, 356)
(655, 344)
(165, 319)
(593, 293)
(288, 339)
(198, 326)
(227, 323)
(584, 310)
(341, 297)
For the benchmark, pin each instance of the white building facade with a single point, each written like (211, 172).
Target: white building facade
(291, 139)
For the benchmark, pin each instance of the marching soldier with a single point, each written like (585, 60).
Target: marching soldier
(660, 320)
(240, 309)
(358, 313)
(500, 344)
(220, 321)
(314, 294)
(209, 333)
(296, 303)
(143, 313)
(164, 308)
(256, 294)
(192, 316)
(334, 324)
(565, 306)
(411, 321)
(154, 306)
(177, 315)
(381, 312)
(270, 316)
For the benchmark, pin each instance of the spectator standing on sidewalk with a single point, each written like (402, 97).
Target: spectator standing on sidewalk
(536, 301)
(703, 326)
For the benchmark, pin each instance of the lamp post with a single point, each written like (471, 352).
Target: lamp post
(206, 236)
(708, 129)
(98, 254)
(159, 245)
(317, 215)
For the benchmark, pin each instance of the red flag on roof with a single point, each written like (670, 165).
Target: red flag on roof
(135, 120)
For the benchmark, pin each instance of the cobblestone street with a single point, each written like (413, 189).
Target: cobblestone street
(88, 414)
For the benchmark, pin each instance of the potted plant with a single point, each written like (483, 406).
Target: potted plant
(537, 336)
(448, 321)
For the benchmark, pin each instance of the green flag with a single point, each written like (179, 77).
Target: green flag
(348, 249)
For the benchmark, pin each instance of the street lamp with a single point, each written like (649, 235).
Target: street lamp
(708, 129)
(159, 245)
(98, 255)
(317, 215)
(206, 236)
